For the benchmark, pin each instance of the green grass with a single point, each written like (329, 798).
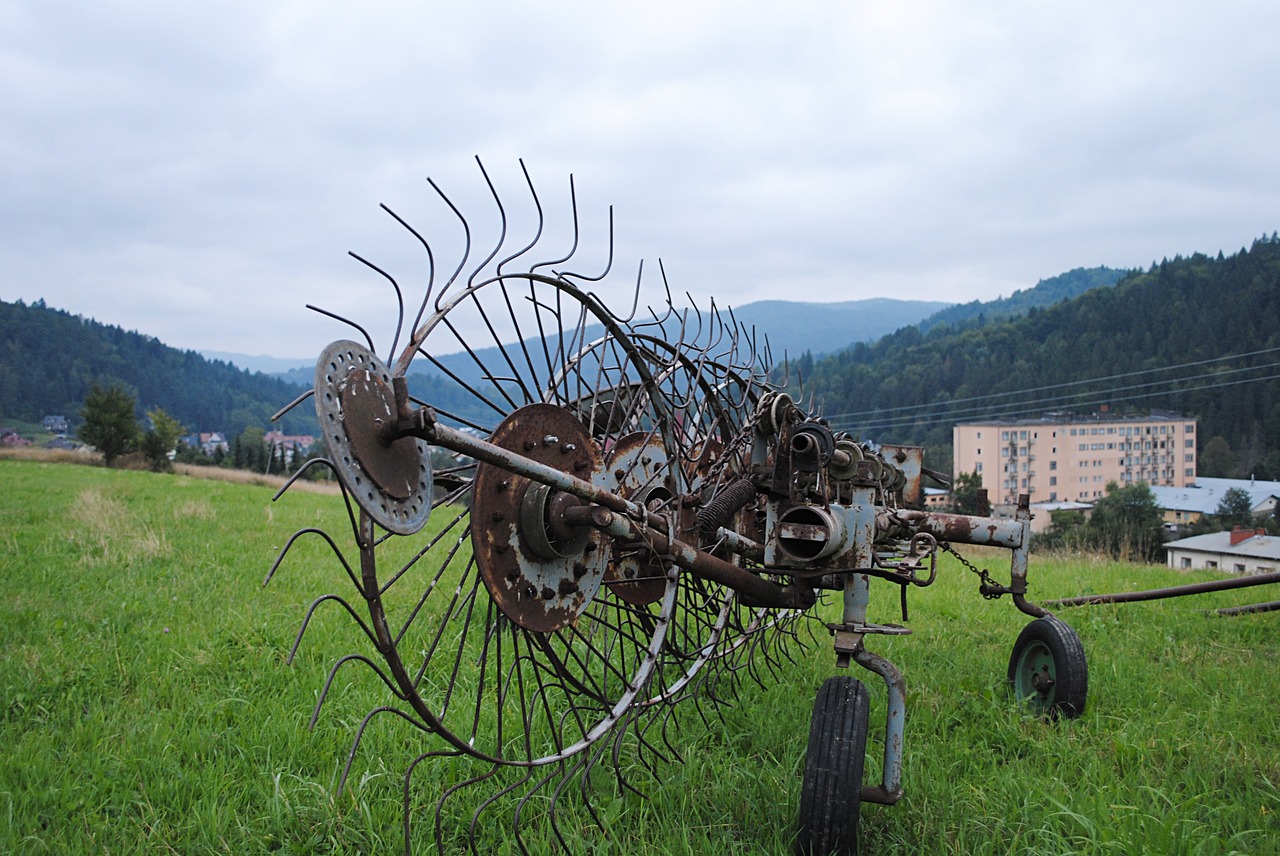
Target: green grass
(147, 707)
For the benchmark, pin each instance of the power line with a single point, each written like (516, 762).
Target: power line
(1038, 407)
(1029, 390)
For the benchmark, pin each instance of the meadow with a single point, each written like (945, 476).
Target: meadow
(147, 706)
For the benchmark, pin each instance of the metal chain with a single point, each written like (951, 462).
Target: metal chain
(989, 588)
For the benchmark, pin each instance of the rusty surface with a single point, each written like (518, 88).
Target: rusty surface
(1174, 591)
(637, 470)
(354, 399)
(541, 576)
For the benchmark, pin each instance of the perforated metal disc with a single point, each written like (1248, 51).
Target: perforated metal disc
(354, 399)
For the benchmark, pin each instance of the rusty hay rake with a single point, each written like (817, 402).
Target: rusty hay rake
(602, 518)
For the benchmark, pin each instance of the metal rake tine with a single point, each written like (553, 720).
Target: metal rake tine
(355, 745)
(608, 265)
(416, 335)
(275, 417)
(302, 469)
(524, 800)
(310, 530)
(333, 673)
(444, 797)
(475, 817)
(577, 771)
(395, 340)
(367, 338)
(541, 221)
(573, 207)
(311, 611)
(466, 252)
(502, 232)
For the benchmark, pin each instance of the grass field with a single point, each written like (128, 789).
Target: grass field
(147, 706)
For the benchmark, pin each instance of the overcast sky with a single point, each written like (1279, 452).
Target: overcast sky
(198, 171)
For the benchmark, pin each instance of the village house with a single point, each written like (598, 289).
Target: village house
(1241, 551)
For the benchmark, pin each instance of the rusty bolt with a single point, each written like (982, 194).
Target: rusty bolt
(530, 592)
(501, 548)
(579, 570)
(530, 445)
(504, 484)
(499, 516)
(566, 448)
(548, 592)
(568, 587)
(550, 440)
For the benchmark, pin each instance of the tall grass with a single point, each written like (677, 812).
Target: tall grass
(147, 707)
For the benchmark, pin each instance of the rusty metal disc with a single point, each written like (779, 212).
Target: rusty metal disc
(390, 481)
(637, 469)
(541, 573)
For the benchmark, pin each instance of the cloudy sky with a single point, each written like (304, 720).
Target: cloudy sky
(199, 171)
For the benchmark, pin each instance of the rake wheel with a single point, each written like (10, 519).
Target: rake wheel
(508, 630)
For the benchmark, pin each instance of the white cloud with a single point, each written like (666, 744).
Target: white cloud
(209, 167)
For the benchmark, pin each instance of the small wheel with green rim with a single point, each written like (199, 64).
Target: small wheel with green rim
(1047, 669)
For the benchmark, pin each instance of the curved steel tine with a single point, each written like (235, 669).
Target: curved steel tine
(573, 206)
(466, 252)
(475, 817)
(275, 417)
(608, 266)
(502, 232)
(311, 530)
(416, 336)
(312, 610)
(577, 772)
(524, 800)
(541, 221)
(395, 340)
(322, 462)
(444, 797)
(367, 338)
(333, 673)
(355, 745)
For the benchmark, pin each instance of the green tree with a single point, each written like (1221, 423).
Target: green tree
(161, 440)
(1235, 509)
(968, 495)
(1217, 460)
(1126, 523)
(110, 424)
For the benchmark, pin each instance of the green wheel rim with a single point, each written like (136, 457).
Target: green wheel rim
(1036, 667)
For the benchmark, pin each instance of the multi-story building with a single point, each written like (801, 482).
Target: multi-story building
(1062, 457)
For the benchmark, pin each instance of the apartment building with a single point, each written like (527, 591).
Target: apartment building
(1063, 457)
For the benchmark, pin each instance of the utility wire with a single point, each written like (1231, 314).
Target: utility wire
(1037, 407)
(1029, 390)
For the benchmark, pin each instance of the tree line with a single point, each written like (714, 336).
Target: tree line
(913, 386)
(51, 359)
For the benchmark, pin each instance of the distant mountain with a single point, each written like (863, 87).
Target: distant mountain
(791, 327)
(260, 362)
(1045, 293)
(50, 359)
(822, 328)
(1197, 335)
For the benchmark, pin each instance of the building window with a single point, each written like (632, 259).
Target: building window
(1210, 563)
(1186, 562)
(1190, 429)
(977, 468)
(1238, 568)
(1053, 480)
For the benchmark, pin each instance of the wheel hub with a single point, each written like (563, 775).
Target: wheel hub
(541, 572)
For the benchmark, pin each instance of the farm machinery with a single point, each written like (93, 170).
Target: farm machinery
(594, 518)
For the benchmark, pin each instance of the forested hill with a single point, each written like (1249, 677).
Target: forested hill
(1046, 292)
(1198, 335)
(50, 359)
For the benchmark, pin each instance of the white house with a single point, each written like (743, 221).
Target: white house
(1242, 551)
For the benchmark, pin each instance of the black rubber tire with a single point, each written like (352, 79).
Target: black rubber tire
(831, 795)
(1048, 646)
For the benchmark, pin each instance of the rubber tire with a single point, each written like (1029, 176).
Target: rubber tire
(831, 795)
(1050, 643)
